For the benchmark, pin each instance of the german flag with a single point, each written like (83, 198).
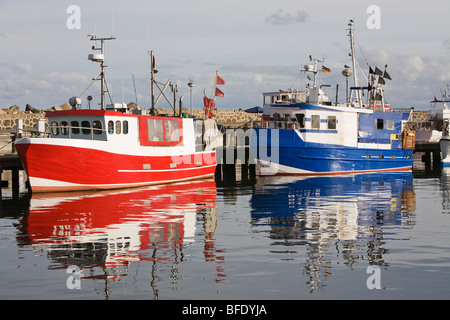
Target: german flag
(325, 69)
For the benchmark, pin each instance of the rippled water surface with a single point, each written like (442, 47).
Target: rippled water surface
(374, 236)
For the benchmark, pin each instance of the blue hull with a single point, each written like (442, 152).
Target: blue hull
(292, 155)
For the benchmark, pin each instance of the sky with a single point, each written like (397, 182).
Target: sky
(256, 46)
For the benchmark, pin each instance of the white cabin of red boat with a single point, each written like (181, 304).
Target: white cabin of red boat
(105, 125)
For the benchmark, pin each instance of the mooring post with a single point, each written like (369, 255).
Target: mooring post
(15, 183)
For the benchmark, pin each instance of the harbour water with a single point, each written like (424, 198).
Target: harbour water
(373, 236)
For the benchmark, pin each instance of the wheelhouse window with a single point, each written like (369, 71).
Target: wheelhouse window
(110, 127)
(97, 125)
(85, 127)
(315, 122)
(160, 131)
(331, 121)
(54, 128)
(64, 128)
(118, 127)
(75, 127)
(379, 124)
(301, 119)
(155, 130)
(171, 128)
(390, 125)
(276, 117)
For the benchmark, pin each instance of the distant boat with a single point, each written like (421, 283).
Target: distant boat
(303, 133)
(113, 147)
(430, 129)
(442, 116)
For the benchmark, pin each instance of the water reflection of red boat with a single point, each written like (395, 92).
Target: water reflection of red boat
(110, 229)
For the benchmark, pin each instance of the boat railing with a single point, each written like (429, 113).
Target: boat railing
(63, 131)
(294, 125)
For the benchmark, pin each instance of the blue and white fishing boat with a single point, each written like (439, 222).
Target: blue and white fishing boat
(303, 133)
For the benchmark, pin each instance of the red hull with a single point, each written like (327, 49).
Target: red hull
(53, 168)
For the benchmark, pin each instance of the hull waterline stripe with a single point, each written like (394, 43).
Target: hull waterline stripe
(312, 173)
(166, 170)
(54, 185)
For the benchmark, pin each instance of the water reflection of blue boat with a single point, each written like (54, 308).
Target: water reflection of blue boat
(336, 206)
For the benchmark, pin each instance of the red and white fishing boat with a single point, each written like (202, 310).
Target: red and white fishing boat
(112, 147)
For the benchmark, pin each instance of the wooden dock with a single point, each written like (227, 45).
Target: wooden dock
(432, 155)
(235, 163)
(11, 162)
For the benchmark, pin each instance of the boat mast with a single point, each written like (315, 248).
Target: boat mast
(352, 48)
(314, 69)
(152, 75)
(100, 58)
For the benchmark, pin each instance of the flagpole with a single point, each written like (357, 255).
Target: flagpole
(213, 95)
(210, 103)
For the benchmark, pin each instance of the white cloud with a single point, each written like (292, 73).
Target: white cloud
(21, 85)
(280, 18)
(46, 62)
(22, 67)
(446, 44)
(415, 79)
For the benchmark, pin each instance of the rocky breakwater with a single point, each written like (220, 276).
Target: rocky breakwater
(29, 117)
(231, 118)
(9, 117)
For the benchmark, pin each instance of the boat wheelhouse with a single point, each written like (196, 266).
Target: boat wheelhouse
(307, 134)
(114, 147)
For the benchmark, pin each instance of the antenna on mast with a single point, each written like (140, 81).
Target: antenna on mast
(112, 22)
(100, 57)
(352, 54)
